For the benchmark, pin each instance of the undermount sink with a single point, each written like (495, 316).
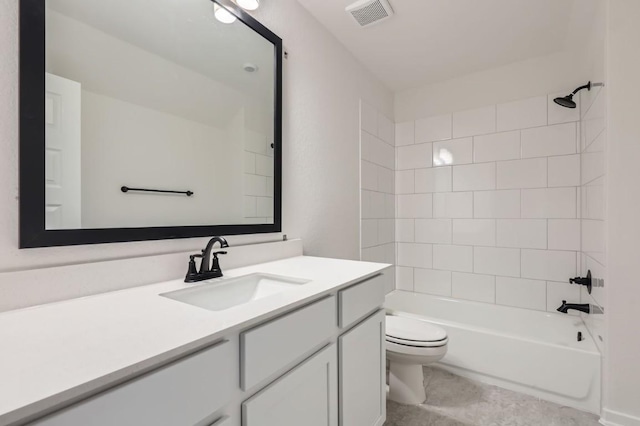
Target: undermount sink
(230, 292)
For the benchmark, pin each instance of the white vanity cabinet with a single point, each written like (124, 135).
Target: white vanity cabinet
(316, 393)
(319, 364)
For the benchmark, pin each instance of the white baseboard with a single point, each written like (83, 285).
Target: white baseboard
(616, 418)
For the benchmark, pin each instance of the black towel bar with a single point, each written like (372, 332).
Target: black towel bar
(165, 191)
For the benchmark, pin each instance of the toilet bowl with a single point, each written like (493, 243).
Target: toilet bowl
(410, 344)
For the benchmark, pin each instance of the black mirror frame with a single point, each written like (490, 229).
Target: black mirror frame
(32, 144)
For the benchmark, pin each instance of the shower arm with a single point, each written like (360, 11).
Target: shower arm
(586, 86)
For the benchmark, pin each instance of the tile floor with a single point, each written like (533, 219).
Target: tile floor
(456, 401)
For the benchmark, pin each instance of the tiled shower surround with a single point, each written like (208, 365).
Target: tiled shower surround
(377, 164)
(593, 144)
(258, 178)
(487, 202)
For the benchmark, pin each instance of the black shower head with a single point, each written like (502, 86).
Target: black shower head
(567, 101)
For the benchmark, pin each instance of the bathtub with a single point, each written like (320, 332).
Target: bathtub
(527, 351)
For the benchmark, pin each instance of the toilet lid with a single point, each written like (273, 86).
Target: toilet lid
(415, 330)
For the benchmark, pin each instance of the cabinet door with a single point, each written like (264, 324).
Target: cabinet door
(308, 395)
(362, 373)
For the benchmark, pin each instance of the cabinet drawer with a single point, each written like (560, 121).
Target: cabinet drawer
(271, 347)
(181, 393)
(360, 300)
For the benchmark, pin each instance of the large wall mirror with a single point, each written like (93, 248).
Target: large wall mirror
(147, 119)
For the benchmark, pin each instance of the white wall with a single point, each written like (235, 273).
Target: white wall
(323, 85)
(127, 144)
(533, 77)
(622, 387)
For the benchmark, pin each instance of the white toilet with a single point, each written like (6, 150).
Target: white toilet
(411, 343)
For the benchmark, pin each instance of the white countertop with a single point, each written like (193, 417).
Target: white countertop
(53, 354)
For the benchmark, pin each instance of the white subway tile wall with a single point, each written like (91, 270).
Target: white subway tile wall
(404, 278)
(434, 179)
(405, 133)
(453, 258)
(379, 182)
(488, 202)
(405, 181)
(522, 233)
(415, 255)
(497, 146)
(455, 151)
(564, 170)
(474, 232)
(258, 178)
(474, 177)
(531, 294)
(434, 231)
(432, 281)
(480, 288)
(415, 205)
(414, 156)
(592, 146)
(453, 205)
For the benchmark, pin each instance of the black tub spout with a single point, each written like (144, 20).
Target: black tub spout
(582, 307)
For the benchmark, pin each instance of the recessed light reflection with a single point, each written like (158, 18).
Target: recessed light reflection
(223, 15)
(443, 157)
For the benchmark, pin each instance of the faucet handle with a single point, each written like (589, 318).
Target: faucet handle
(215, 268)
(586, 281)
(192, 272)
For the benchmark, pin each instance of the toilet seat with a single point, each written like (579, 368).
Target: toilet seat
(415, 344)
(410, 332)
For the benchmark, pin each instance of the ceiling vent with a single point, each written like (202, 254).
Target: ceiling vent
(369, 12)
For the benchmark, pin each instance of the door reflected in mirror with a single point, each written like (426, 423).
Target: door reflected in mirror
(156, 115)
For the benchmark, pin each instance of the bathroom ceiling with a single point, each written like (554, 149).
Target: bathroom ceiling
(434, 40)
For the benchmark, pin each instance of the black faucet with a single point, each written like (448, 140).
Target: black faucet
(584, 307)
(206, 272)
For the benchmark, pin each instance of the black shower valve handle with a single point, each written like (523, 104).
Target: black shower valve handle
(586, 281)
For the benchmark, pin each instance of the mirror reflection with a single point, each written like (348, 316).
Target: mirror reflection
(157, 114)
